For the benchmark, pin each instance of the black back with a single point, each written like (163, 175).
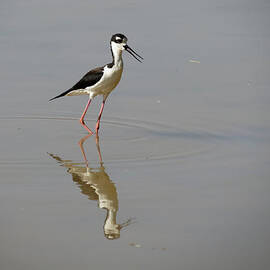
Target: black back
(89, 79)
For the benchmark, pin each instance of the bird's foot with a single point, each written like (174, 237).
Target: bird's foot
(97, 128)
(86, 127)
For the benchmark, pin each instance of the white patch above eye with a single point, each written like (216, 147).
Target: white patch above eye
(117, 38)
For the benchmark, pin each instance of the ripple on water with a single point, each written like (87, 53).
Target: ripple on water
(129, 140)
(135, 140)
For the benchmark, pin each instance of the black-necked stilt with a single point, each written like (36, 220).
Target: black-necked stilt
(102, 80)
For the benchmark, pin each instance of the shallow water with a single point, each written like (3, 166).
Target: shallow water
(179, 178)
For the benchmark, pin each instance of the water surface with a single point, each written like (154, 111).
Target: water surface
(179, 178)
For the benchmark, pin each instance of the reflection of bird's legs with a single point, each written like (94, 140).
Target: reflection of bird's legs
(81, 141)
(98, 149)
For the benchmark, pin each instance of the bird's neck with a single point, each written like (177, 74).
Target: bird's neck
(116, 55)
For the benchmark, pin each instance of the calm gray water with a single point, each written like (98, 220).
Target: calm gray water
(184, 177)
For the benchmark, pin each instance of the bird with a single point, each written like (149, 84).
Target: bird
(102, 80)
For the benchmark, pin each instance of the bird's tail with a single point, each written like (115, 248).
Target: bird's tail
(61, 95)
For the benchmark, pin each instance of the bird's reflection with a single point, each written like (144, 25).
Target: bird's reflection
(97, 185)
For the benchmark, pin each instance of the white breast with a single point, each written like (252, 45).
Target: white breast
(108, 82)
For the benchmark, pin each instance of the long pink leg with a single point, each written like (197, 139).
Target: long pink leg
(82, 117)
(99, 116)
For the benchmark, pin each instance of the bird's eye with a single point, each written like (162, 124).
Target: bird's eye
(118, 40)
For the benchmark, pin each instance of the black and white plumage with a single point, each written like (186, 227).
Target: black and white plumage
(102, 80)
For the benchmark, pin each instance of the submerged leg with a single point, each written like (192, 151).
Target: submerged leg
(99, 116)
(82, 117)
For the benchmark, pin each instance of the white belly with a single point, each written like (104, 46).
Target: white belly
(108, 82)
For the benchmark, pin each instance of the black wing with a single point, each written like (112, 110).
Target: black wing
(89, 79)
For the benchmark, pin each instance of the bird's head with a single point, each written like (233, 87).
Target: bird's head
(119, 43)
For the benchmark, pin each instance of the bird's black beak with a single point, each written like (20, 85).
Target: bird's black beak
(134, 54)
